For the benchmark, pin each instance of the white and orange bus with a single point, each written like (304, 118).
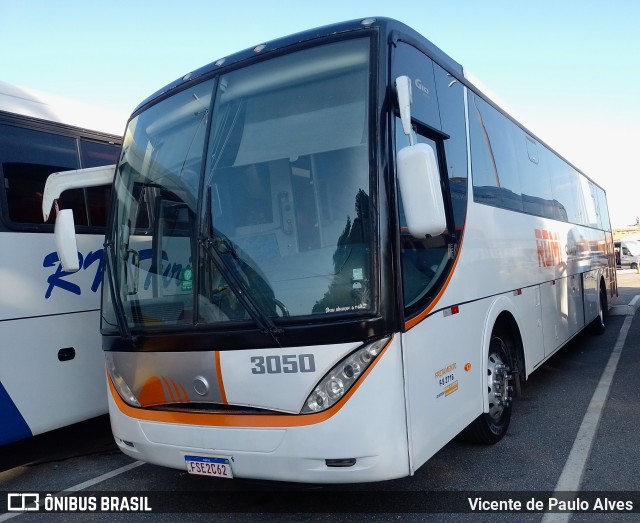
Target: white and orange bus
(331, 254)
(51, 365)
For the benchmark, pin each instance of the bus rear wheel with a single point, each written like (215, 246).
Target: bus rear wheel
(490, 427)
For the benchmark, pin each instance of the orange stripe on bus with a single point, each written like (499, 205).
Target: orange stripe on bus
(183, 392)
(223, 394)
(238, 420)
(167, 385)
(152, 392)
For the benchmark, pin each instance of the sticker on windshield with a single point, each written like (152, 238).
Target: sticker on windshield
(187, 279)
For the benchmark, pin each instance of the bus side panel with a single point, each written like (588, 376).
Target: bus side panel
(563, 311)
(34, 284)
(529, 320)
(591, 288)
(14, 427)
(47, 392)
(44, 311)
(445, 362)
(514, 251)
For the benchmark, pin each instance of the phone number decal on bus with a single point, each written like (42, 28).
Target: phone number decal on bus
(446, 382)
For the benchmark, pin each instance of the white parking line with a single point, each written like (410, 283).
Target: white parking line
(82, 486)
(103, 477)
(572, 474)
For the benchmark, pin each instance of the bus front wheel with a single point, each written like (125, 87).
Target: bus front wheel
(490, 427)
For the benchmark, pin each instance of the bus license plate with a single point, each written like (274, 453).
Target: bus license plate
(209, 466)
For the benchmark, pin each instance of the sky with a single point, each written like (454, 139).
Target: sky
(569, 70)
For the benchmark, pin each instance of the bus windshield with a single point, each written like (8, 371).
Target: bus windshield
(247, 197)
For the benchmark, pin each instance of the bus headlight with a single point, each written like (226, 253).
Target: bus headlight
(340, 378)
(121, 386)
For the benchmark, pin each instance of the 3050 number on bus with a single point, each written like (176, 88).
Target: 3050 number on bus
(287, 364)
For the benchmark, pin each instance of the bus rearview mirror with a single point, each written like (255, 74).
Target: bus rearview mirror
(419, 181)
(65, 238)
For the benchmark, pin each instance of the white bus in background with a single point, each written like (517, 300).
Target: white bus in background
(627, 253)
(51, 362)
(330, 255)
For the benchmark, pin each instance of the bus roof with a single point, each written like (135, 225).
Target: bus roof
(395, 29)
(43, 106)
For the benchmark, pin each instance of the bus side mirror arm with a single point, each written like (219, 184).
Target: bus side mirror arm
(65, 230)
(403, 89)
(418, 176)
(59, 182)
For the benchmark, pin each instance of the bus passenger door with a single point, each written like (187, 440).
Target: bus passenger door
(441, 396)
(435, 349)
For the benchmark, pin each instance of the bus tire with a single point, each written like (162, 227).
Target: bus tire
(597, 325)
(490, 427)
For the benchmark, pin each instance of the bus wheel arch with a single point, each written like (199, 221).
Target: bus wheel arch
(507, 324)
(597, 326)
(504, 367)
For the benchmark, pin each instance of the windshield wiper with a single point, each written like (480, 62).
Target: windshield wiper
(219, 248)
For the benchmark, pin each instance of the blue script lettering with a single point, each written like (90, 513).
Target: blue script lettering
(57, 278)
(171, 272)
(96, 258)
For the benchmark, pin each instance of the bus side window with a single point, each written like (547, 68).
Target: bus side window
(95, 154)
(27, 157)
